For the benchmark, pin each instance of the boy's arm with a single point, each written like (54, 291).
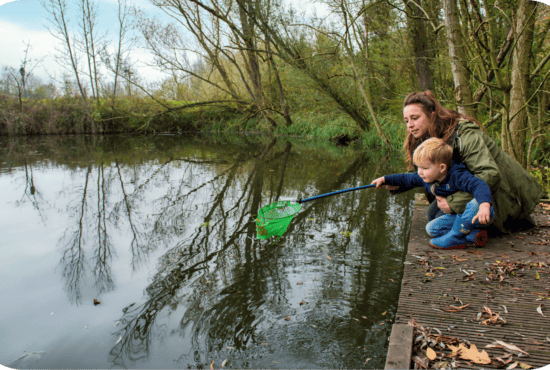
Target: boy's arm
(405, 181)
(466, 182)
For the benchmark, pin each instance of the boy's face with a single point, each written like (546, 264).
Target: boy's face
(430, 172)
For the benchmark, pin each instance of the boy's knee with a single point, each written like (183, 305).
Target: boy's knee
(472, 206)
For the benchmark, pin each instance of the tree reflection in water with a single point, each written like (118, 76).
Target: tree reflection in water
(217, 291)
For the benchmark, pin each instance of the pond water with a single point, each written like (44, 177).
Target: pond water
(160, 230)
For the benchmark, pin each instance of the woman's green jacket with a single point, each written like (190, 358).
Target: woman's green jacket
(515, 192)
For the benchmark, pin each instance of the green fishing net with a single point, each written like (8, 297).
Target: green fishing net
(273, 219)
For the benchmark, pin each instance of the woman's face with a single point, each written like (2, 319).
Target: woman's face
(417, 121)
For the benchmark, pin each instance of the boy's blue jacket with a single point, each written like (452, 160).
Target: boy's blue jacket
(458, 179)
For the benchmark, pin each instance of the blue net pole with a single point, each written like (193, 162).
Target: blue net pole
(336, 192)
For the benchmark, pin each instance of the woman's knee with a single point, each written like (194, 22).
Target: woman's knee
(433, 211)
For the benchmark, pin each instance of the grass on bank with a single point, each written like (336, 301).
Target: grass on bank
(67, 115)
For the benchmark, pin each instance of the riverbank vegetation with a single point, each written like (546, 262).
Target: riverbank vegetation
(264, 66)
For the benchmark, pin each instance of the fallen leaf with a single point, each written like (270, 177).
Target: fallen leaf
(509, 347)
(503, 360)
(475, 252)
(431, 354)
(230, 348)
(513, 366)
(525, 366)
(298, 283)
(329, 257)
(224, 362)
(212, 365)
(384, 313)
(537, 276)
(422, 362)
(391, 280)
(455, 308)
(539, 309)
(367, 360)
(96, 302)
(471, 354)
(287, 318)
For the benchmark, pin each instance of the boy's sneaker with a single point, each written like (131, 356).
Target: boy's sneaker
(454, 239)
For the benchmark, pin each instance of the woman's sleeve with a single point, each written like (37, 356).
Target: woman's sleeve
(477, 158)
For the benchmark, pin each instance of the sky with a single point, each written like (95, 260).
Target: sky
(23, 21)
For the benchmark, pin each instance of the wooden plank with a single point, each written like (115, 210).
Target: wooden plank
(400, 347)
(433, 280)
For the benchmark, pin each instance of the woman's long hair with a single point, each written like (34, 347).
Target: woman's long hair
(442, 124)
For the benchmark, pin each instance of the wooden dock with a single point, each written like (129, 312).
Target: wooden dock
(496, 298)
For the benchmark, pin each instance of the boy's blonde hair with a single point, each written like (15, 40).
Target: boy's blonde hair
(434, 150)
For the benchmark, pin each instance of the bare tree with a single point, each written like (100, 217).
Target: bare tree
(362, 78)
(420, 38)
(89, 43)
(67, 54)
(118, 61)
(459, 61)
(519, 93)
(21, 77)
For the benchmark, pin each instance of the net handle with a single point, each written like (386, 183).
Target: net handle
(335, 192)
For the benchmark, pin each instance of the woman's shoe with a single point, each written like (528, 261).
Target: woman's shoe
(478, 237)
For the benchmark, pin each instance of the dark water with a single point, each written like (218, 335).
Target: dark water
(160, 230)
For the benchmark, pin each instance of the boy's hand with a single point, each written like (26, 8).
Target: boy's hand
(379, 182)
(484, 214)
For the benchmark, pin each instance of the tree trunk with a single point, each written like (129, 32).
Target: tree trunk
(284, 106)
(422, 52)
(247, 24)
(459, 64)
(520, 79)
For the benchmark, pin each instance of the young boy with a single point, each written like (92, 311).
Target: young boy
(442, 177)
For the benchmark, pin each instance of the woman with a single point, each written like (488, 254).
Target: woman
(515, 191)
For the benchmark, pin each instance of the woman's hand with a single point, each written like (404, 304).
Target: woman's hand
(380, 184)
(443, 205)
(484, 214)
